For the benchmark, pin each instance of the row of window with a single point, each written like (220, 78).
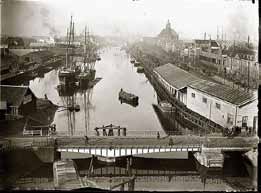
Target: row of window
(205, 100)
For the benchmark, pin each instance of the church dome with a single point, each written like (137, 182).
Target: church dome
(168, 33)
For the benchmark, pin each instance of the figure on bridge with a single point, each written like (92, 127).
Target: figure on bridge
(86, 139)
(171, 142)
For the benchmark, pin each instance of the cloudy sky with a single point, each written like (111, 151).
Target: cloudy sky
(190, 18)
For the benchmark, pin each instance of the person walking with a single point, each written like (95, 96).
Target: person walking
(171, 142)
(86, 139)
(158, 135)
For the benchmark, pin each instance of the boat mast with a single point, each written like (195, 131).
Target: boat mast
(88, 54)
(66, 55)
(69, 42)
(85, 47)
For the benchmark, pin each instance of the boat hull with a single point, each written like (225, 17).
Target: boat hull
(124, 96)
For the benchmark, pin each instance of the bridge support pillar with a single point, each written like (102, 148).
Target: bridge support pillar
(131, 185)
(90, 171)
(210, 157)
(124, 131)
(129, 163)
(122, 187)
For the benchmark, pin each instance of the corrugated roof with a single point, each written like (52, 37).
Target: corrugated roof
(175, 76)
(226, 93)
(14, 95)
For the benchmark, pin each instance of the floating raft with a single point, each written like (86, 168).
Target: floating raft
(128, 96)
(74, 108)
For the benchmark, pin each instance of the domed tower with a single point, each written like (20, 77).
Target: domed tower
(168, 25)
(168, 38)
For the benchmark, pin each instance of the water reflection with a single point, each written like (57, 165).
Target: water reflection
(100, 104)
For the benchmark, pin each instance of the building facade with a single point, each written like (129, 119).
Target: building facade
(223, 105)
(16, 101)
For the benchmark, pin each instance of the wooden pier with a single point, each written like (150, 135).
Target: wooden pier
(109, 130)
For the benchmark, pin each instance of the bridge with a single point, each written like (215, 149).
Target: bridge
(119, 146)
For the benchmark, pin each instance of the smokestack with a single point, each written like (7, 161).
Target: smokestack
(217, 33)
(248, 41)
(222, 34)
(66, 35)
(73, 32)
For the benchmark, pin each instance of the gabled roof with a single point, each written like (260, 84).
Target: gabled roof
(223, 92)
(176, 76)
(14, 95)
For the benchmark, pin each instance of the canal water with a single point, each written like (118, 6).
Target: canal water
(23, 169)
(100, 105)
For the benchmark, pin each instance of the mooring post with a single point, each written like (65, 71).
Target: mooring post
(90, 171)
(129, 163)
(110, 133)
(131, 184)
(128, 166)
(122, 187)
(104, 132)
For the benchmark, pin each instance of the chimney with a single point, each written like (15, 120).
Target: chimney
(222, 34)
(248, 41)
(217, 33)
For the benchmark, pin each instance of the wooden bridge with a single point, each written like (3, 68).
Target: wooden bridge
(110, 146)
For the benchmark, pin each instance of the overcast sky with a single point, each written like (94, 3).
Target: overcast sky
(190, 18)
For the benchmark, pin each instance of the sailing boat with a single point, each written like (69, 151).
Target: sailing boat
(87, 73)
(67, 73)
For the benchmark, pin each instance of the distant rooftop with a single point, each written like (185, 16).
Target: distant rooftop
(214, 43)
(176, 76)
(223, 92)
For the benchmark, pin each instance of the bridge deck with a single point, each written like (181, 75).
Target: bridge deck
(107, 142)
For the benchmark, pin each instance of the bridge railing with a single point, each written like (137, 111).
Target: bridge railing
(129, 133)
(128, 146)
(136, 133)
